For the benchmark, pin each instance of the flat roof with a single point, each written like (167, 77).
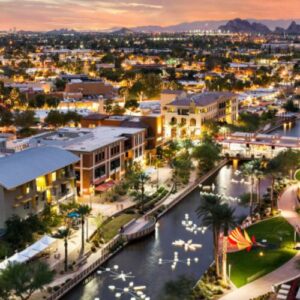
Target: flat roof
(25, 166)
(84, 139)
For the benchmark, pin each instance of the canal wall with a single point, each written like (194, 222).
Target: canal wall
(104, 254)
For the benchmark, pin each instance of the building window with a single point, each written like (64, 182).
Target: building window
(27, 205)
(114, 150)
(140, 151)
(192, 122)
(77, 175)
(100, 171)
(100, 156)
(114, 164)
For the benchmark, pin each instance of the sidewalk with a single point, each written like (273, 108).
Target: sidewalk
(287, 203)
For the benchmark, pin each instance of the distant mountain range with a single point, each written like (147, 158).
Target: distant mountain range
(236, 25)
(244, 26)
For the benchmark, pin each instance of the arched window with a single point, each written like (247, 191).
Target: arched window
(193, 122)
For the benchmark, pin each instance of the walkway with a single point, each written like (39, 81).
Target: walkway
(263, 285)
(136, 226)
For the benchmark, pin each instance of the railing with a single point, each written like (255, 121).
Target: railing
(144, 232)
(105, 254)
(193, 187)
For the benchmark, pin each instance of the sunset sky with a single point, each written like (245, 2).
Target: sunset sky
(97, 14)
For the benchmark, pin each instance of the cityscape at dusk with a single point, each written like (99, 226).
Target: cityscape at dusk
(99, 15)
(149, 150)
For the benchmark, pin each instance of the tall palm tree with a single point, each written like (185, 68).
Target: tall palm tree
(259, 175)
(228, 220)
(65, 233)
(248, 171)
(273, 170)
(83, 211)
(209, 212)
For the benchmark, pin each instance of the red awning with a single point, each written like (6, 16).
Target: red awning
(105, 186)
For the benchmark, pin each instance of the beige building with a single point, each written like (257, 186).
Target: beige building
(185, 116)
(104, 152)
(34, 178)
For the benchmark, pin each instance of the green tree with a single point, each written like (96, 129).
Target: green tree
(179, 289)
(207, 154)
(182, 165)
(6, 117)
(132, 104)
(118, 110)
(209, 213)
(71, 116)
(54, 118)
(248, 171)
(25, 119)
(65, 233)
(40, 100)
(83, 211)
(290, 106)
(22, 280)
(228, 221)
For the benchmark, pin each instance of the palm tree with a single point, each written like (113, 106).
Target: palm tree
(228, 221)
(258, 174)
(83, 211)
(273, 170)
(65, 233)
(248, 171)
(209, 212)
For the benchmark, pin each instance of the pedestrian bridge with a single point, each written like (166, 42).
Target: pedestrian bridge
(256, 145)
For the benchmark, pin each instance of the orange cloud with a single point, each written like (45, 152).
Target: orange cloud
(94, 14)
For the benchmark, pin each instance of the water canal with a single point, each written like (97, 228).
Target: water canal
(293, 131)
(141, 258)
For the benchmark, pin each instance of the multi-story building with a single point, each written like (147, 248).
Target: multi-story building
(185, 116)
(104, 152)
(34, 178)
(153, 125)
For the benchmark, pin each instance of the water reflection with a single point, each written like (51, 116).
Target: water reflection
(141, 258)
(289, 130)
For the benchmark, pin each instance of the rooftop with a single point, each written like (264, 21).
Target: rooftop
(84, 139)
(25, 166)
(202, 99)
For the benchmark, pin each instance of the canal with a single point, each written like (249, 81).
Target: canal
(141, 258)
(293, 131)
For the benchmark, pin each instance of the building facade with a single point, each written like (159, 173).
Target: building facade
(104, 152)
(34, 178)
(185, 116)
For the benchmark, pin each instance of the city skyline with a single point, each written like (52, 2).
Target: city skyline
(100, 15)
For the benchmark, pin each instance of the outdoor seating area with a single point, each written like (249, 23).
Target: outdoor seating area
(30, 252)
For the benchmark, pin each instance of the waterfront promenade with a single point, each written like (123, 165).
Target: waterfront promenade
(287, 204)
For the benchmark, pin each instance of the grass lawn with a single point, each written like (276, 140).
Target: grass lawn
(297, 175)
(248, 266)
(111, 229)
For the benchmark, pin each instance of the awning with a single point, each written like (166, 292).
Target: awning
(105, 186)
(28, 253)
